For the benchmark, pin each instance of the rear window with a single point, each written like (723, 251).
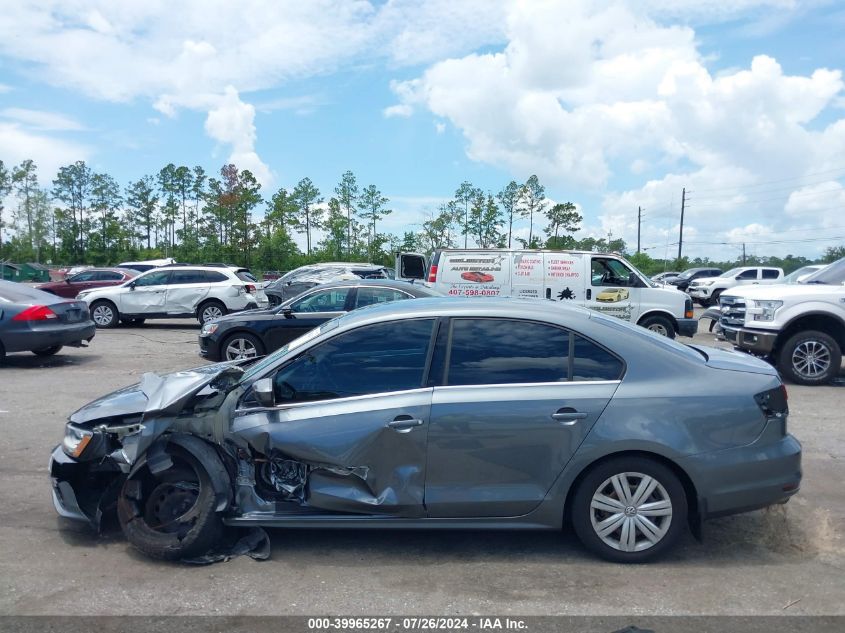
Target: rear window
(245, 275)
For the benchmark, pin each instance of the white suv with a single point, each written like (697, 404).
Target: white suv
(706, 290)
(174, 292)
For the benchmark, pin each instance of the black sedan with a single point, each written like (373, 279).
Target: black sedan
(254, 333)
(35, 321)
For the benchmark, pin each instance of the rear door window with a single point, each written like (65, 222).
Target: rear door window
(371, 296)
(108, 275)
(770, 273)
(184, 277)
(506, 351)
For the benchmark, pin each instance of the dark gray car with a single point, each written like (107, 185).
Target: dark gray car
(35, 321)
(440, 413)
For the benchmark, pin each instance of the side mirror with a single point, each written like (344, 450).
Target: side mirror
(67, 280)
(132, 285)
(287, 312)
(263, 391)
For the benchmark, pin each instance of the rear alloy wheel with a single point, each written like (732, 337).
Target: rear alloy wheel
(242, 346)
(104, 314)
(659, 325)
(210, 311)
(629, 509)
(810, 358)
(47, 351)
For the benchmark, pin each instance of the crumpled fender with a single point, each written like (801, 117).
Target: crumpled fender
(157, 460)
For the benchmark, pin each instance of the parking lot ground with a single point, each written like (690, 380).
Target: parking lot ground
(784, 560)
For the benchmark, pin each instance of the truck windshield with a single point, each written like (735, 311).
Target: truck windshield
(833, 275)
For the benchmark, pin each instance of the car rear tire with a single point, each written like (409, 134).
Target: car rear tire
(659, 325)
(274, 300)
(810, 358)
(209, 311)
(242, 346)
(170, 515)
(2, 353)
(629, 509)
(105, 314)
(48, 351)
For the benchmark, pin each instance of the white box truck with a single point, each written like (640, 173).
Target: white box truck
(604, 282)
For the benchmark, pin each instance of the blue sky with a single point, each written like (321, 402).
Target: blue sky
(612, 104)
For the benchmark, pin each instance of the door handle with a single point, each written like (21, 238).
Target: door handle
(404, 423)
(568, 416)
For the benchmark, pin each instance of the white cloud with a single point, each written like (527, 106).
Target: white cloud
(398, 110)
(585, 91)
(18, 144)
(232, 122)
(41, 120)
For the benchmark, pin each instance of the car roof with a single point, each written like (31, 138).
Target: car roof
(417, 290)
(477, 307)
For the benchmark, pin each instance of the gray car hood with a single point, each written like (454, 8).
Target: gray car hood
(167, 393)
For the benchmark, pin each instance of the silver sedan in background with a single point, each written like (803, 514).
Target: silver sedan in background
(440, 413)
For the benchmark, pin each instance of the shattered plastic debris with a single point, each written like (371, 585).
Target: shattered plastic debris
(255, 544)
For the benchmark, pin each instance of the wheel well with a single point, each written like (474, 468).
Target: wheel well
(205, 302)
(109, 301)
(693, 511)
(821, 322)
(660, 313)
(238, 331)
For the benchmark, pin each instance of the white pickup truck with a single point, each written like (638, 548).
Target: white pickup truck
(799, 327)
(707, 290)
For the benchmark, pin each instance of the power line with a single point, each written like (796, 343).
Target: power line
(776, 189)
(753, 201)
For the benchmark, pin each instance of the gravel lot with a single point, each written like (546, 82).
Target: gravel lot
(788, 559)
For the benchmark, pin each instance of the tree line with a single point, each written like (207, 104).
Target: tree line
(182, 212)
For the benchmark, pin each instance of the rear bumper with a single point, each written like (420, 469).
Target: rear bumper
(746, 478)
(26, 340)
(754, 341)
(687, 327)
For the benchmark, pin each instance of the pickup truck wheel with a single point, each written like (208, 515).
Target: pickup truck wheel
(714, 300)
(659, 325)
(810, 358)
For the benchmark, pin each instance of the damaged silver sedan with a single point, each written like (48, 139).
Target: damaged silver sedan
(442, 413)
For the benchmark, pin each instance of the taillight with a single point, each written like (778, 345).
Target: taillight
(35, 313)
(250, 288)
(432, 274)
(773, 402)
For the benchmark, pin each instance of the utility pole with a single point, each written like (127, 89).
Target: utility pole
(681, 237)
(743, 253)
(639, 221)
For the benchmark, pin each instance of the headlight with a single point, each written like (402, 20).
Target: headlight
(209, 328)
(76, 440)
(763, 310)
(706, 283)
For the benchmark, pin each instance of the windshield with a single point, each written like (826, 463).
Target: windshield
(793, 277)
(731, 273)
(644, 277)
(833, 275)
